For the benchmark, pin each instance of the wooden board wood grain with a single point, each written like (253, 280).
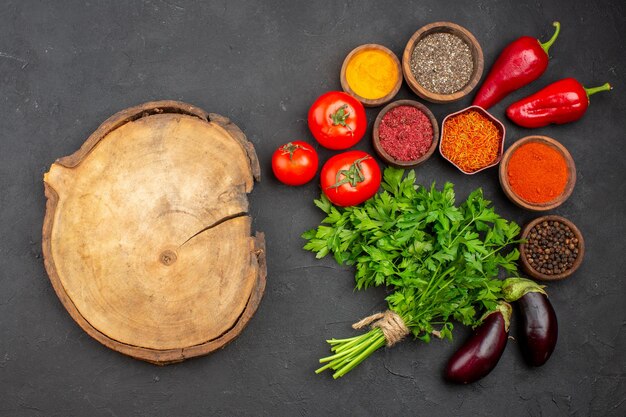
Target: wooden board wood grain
(146, 238)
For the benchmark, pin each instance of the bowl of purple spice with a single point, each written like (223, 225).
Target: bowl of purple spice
(405, 133)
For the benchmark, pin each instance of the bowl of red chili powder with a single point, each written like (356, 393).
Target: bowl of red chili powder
(537, 173)
(405, 133)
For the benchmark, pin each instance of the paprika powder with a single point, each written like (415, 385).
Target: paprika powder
(537, 173)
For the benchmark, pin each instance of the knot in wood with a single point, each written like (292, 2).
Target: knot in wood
(168, 257)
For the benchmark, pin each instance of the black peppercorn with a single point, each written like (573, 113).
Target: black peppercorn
(551, 248)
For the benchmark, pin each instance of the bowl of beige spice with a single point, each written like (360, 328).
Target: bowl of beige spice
(442, 62)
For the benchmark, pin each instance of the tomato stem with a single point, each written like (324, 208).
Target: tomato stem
(290, 148)
(339, 117)
(352, 175)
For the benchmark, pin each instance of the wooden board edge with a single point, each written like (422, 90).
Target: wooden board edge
(157, 357)
(258, 257)
(168, 356)
(240, 137)
(128, 115)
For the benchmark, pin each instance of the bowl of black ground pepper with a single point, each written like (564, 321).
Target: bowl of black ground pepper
(553, 248)
(442, 62)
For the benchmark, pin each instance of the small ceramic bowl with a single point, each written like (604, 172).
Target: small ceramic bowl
(390, 159)
(454, 29)
(371, 102)
(543, 277)
(506, 187)
(488, 115)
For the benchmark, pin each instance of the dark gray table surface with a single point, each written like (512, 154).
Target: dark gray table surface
(67, 66)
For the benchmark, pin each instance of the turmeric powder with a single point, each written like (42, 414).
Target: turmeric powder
(372, 73)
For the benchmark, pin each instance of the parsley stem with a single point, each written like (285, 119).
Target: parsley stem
(462, 230)
(499, 248)
(352, 351)
(345, 349)
(437, 280)
(338, 341)
(376, 343)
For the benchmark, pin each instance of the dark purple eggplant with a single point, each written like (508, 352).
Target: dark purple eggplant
(481, 353)
(539, 328)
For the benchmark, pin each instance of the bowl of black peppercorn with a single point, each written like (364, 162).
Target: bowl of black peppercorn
(552, 248)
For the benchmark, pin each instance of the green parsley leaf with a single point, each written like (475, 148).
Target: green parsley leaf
(440, 261)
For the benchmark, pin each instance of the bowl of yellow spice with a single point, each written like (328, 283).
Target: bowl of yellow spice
(372, 74)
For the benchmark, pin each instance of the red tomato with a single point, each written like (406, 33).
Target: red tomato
(350, 178)
(337, 120)
(295, 163)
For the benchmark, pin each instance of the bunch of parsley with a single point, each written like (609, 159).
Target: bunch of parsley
(441, 261)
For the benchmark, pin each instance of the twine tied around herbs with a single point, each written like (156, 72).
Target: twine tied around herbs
(390, 323)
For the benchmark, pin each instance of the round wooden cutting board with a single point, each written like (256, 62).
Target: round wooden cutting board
(147, 238)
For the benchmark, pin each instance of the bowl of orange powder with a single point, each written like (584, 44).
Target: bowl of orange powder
(472, 140)
(372, 74)
(537, 173)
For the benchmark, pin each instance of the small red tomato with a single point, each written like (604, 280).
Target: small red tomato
(350, 178)
(295, 163)
(337, 120)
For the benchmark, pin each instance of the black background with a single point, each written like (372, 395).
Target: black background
(67, 66)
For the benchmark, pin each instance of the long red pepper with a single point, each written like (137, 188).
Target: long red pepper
(561, 102)
(521, 62)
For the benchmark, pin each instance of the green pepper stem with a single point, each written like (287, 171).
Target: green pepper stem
(546, 45)
(593, 90)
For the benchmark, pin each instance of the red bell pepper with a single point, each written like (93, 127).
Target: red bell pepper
(521, 62)
(561, 102)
